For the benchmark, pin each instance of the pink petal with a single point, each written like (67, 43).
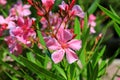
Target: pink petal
(63, 6)
(52, 43)
(92, 23)
(3, 2)
(92, 30)
(48, 4)
(75, 44)
(64, 35)
(2, 20)
(26, 12)
(58, 55)
(26, 6)
(92, 17)
(71, 56)
(78, 11)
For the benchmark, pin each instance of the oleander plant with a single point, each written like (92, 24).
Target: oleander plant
(56, 39)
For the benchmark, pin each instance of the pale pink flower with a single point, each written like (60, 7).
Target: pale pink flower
(3, 2)
(8, 20)
(54, 19)
(92, 23)
(5, 23)
(72, 10)
(47, 4)
(63, 6)
(63, 43)
(77, 11)
(23, 32)
(20, 10)
(14, 46)
(44, 23)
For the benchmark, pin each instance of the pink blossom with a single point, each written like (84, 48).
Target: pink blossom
(72, 10)
(8, 21)
(48, 4)
(20, 10)
(3, 2)
(77, 11)
(14, 46)
(64, 6)
(63, 43)
(54, 19)
(92, 23)
(44, 23)
(23, 32)
(118, 78)
(5, 23)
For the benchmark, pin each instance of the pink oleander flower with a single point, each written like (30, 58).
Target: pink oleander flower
(14, 46)
(92, 23)
(48, 4)
(64, 6)
(23, 32)
(20, 10)
(63, 44)
(3, 2)
(77, 11)
(54, 19)
(5, 23)
(72, 10)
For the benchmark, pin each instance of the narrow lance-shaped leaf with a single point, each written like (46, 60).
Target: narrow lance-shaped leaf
(117, 29)
(11, 68)
(61, 71)
(97, 56)
(114, 56)
(93, 7)
(110, 14)
(40, 36)
(77, 28)
(39, 70)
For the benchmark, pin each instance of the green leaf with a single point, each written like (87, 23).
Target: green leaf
(96, 57)
(26, 75)
(93, 7)
(11, 68)
(114, 56)
(77, 28)
(82, 54)
(60, 70)
(102, 68)
(3, 12)
(110, 14)
(117, 29)
(113, 11)
(89, 70)
(95, 73)
(10, 76)
(41, 38)
(39, 70)
(92, 73)
(85, 28)
(31, 57)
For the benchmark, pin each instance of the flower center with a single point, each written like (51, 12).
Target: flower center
(64, 45)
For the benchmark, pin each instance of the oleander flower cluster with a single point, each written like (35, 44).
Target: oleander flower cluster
(19, 27)
(56, 27)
